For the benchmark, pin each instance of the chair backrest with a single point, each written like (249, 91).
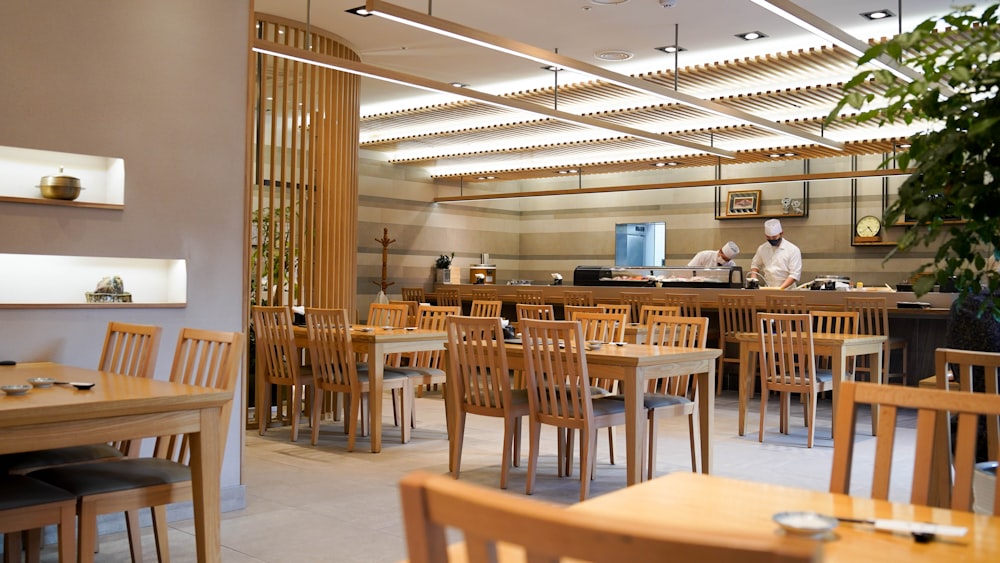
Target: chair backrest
(873, 315)
(130, 349)
(527, 311)
(578, 297)
(646, 310)
(484, 294)
(979, 372)
(275, 346)
(205, 358)
(835, 322)
(530, 296)
(931, 405)
(413, 294)
(477, 364)
(388, 314)
(688, 302)
(782, 303)
(430, 317)
(334, 364)
(558, 385)
(736, 314)
(619, 309)
(674, 330)
(411, 310)
(448, 296)
(570, 311)
(606, 327)
(434, 505)
(786, 350)
(482, 308)
(635, 301)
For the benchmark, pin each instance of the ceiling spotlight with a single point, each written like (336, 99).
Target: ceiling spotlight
(359, 11)
(670, 48)
(662, 164)
(552, 68)
(570, 171)
(877, 15)
(903, 145)
(751, 35)
(459, 84)
(486, 178)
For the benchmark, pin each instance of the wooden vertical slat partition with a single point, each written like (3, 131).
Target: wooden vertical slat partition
(304, 183)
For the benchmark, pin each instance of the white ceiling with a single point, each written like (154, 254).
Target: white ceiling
(579, 29)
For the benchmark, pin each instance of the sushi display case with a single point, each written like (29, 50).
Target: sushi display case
(662, 276)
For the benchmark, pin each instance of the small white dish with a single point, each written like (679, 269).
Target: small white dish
(15, 390)
(41, 382)
(366, 329)
(594, 344)
(805, 523)
(388, 327)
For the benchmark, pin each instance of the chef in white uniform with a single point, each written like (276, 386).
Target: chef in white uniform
(778, 262)
(715, 258)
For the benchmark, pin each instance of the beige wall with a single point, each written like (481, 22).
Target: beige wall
(530, 238)
(163, 86)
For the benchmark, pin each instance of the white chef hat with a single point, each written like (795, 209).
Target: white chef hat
(772, 227)
(730, 249)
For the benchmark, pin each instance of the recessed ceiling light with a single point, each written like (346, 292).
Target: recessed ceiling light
(608, 2)
(553, 68)
(459, 84)
(670, 48)
(903, 145)
(662, 164)
(613, 55)
(359, 11)
(570, 171)
(877, 15)
(486, 178)
(782, 154)
(751, 35)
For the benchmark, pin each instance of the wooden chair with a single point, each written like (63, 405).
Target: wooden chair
(570, 311)
(835, 322)
(335, 370)
(543, 312)
(491, 521)
(673, 396)
(784, 303)
(737, 313)
(203, 358)
(606, 327)
(578, 297)
(413, 294)
(559, 393)
(394, 315)
(411, 310)
(448, 296)
(787, 365)
(874, 319)
(646, 310)
(531, 296)
(29, 504)
(424, 367)
(486, 308)
(635, 301)
(619, 309)
(688, 303)
(979, 372)
(279, 362)
(934, 407)
(485, 294)
(480, 379)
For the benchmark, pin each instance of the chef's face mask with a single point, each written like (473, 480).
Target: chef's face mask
(774, 242)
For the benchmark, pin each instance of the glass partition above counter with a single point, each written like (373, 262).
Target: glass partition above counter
(663, 276)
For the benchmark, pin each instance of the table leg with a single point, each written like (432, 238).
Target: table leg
(744, 384)
(635, 428)
(376, 366)
(878, 377)
(206, 468)
(706, 413)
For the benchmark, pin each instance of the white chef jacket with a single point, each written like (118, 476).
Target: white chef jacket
(708, 259)
(777, 263)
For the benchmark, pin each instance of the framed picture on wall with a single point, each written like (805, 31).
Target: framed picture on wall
(745, 202)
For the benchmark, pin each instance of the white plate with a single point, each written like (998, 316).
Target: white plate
(15, 389)
(41, 382)
(806, 523)
(389, 327)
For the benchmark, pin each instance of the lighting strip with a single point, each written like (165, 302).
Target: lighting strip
(454, 30)
(361, 69)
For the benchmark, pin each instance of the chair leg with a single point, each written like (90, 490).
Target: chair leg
(12, 547)
(159, 514)
(811, 415)
(517, 442)
(314, 415)
(264, 409)
(588, 447)
(134, 535)
(763, 410)
(611, 443)
(351, 423)
(86, 532)
(651, 440)
(693, 435)
(534, 435)
(406, 403)
(294, 407)
(509, 426)
(456, 443)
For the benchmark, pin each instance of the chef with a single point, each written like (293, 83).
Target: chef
(778, 262)
(713, 258)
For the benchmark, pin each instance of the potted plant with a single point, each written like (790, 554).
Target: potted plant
(446, 273)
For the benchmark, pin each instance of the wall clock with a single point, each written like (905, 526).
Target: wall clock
(868, 229)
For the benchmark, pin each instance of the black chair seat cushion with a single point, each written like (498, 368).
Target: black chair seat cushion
(607, 405)
(18, 491)
(25, 462)
(657, 400)
(109, 476)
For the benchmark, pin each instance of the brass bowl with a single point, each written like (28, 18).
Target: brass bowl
(60, 187)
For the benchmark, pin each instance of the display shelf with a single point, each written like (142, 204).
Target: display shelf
(102, 178)
(762, 216)
(878, 243)
(38, 280)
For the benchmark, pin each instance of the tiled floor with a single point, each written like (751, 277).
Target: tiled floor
(322, 503)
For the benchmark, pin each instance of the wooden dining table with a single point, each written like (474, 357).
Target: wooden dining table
(634, 365)
(839, 347)
(120, 407)
(376, 342)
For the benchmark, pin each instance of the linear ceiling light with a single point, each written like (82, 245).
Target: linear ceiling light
(511, 47)
(361, 69)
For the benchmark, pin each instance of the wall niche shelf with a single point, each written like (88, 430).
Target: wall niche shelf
(49, 281)
(772, 204)
(102, 178)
